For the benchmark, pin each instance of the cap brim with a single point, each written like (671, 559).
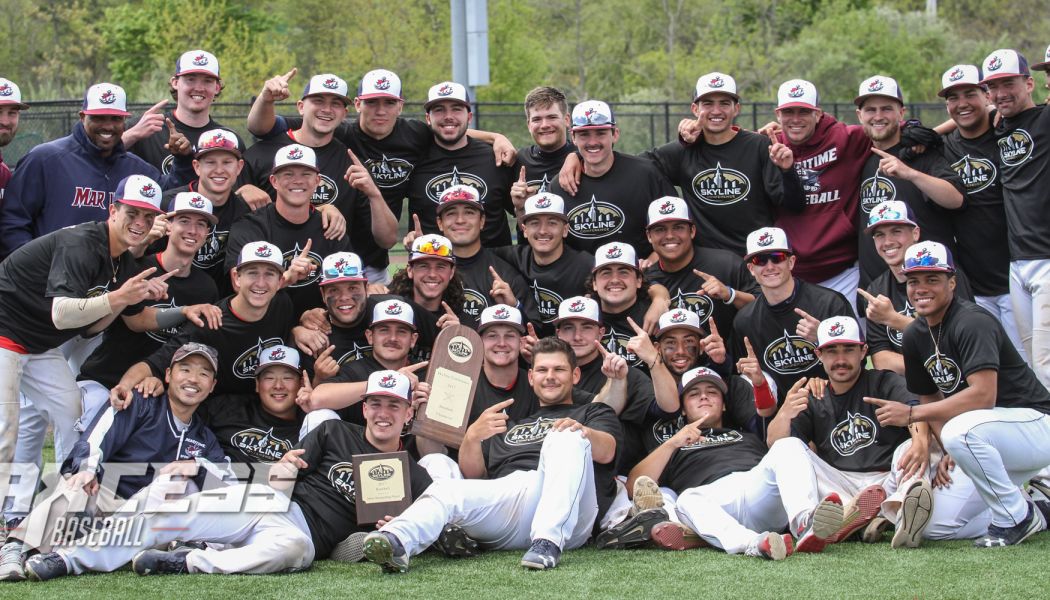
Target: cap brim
(18, 105)
(260, 261)
(261, 368)
(483, 326)
(345, 99)
(563, 319)
(112, 112)
(387, 395)
(860, 99)
(945, 91)
(420, 256)
(378, 95)
(717, 381)
(1003, 76)
(201, 71)
(142, 205)
(427, 105)
(713, 92)
(615, 262)
(207, 215)
(403, 322)
(928, 269)
(234, 151)
(295, 164)
(669, 220)
(447, 205)
(798, 105)
(1043, 66)
(181, 357)
(692, 328)
(605, 126)
(871, 228)
(840, 342)
(544, 213)
(325, 282)
(767, 251)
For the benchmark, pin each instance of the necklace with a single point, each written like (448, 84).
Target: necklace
(937, 341)
(115, 265)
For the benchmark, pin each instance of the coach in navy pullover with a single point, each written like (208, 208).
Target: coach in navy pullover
(69, 181)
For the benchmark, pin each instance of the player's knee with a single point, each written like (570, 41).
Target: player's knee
(954, 434)
(566, 440)
(787, 448)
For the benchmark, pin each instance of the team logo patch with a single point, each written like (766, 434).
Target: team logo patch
(91, 198)
(259, 445)
(594, 219)
(678, 317)
(457, 195)
(394, 308)
(6, 90)
(790, 355)
(721, 186)
(995, 63)
(528, 433)
(616, 342)
(548, 302)
(213, 251)
(976, 173)
(501, 313)
(666, 208)
(699, 303)
(853, 434)
(836, 329)
(543, 202)
(97, 291)
(356, 352)
(460, 349)
(945, 373)
(577, 306)
(437, 186)
(326, 193)
(955, 75)
(197, 202)
(765, 239)
(315, 265)
(167, 164)
(277, 354)
(330, 83)
(263, 252)
(1016, 147)
(107, 97)
(796, 92)
(191, 448)
(875, 190)
(664, 429)
(295, 154)
(614, 252)
(380, 473)
(148, 191)
(716, 82)
(445, 90)
(341, 476)
(382, 83)
(200, 60)
(245, 365)
(474, 302)
(388, 381)
(389, 172)
(875, 85)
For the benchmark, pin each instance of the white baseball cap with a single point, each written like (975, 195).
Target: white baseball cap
(579, 307)
(544, 203)
(715, 83)
(432, 246)
(839, 330)
(797, 92)
(446, 90)
(197, 61)
(959, 75)
(928, 256)
(1004, 63)
(459, 194)
(342, 266)
(699, 374)
(389, 383)
(261, 252)
(105, 99)
(1045, 65)
(139, 191)
(678, 318)
(278, 355)
(766, 239)
(294, 154)
(501, 314)
(592, 114)
(10, 93)
(667, 208)
(394, 311)
(615, 253)
(218, 139)
(890, 212)
(192, 202)
(379, 83)
(326, 83)
(878, 85)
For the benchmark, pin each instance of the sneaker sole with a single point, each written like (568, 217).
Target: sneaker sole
(535, 566)
(10, 574)
(827, 519)
(672, 536)
(875, 530)
(379, 551)
(915, 516)
(865, 507)
(777, 548)
(637, 533)
(352, 549)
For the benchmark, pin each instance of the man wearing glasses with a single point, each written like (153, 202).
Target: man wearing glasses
(781, 324)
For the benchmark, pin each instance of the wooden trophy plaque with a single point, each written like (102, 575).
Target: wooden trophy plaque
(382, 485)
(455, 365)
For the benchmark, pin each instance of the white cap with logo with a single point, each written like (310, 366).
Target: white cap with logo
(105, 99)
(197, 61)
(958, 76)
(501, 314)
(11, 94)
(431, 246)
(678, 318)
(394, 311)
(766, 239)
(579, 307)
(878, 85)
(667, 208)
(139, 191)
(446, 90)
(700, 374)
(544, 203)
(261, 252)
(379, 83)
(327, 83)
(1045, 65)
(294, 154)
(715, 83)
(278, 356)
(797, 92)
(459, 194)
(890, 212)
(389, 383)
(194, 203)
(342, 266)
(839, 330)
(1004, 63)
(592, 114)
(615, 253)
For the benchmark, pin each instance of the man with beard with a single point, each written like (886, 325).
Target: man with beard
(431, 281)
(547, 118)
(10, 106)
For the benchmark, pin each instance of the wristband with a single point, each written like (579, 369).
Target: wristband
(764, 397)
(732, 296)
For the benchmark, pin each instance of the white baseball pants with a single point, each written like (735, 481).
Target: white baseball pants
(1030, 296)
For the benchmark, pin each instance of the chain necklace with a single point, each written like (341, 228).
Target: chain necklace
(937, 341)
(115, 264)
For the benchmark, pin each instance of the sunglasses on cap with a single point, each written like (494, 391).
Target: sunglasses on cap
(344, 271)
(924, 260)
(760, 260)
(218, 142)
(432, 248)
(595, 118)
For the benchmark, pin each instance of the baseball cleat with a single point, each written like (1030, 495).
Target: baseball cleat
(384, 549)
(542, 554)
(822, 522)
(768, 545)
(646, 495)
(873, 533)
(859, 511)
(46, 566)
(455, 543)
(352, 549)
(1039, 490)
(675, 536)
(998, 537)
(914, 515)
(176, 544)
(12, 561)
(633, 532)
(161, 562)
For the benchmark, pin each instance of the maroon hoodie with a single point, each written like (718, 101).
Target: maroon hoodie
(824, 234)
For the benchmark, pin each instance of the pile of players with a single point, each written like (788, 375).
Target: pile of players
(675, 344)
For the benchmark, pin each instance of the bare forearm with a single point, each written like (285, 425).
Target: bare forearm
(472, 459)
(603, 446)
(889, 361)
(384, 225)
(261, 117)
(614, 395)
(335, 396)
(665, 388)
(652, 466)
(779, 427)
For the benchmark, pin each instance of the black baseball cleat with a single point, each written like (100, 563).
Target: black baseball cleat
(192, 545)
(543, 554)
(161, 562)
(633, 532)
(998, 537)
(352, 549)
(46, 566)
(455, 543)
(384, 549)
(1039, 490)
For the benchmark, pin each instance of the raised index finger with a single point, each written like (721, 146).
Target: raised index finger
(804, 314)
(495, 275)
(876, 401)
(415, 367)
(145, 274)
(171, 126)
(353, 157)
(798, 384)
(772, 136)
(747, 346)
(637, 330)
(166, 276)
(866, 295)
(701, 274)
(156, 108)
(290, 74)
(713, 326)
(601, 348)
(521, 175)
(306, 249)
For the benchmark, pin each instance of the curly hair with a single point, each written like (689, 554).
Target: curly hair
(401, 285)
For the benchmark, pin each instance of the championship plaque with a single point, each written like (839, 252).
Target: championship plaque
(455, 365)
(381, 485)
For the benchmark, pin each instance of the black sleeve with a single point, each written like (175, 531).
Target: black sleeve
(640, 397)
(667, 159)
(241, 232)
(893, 387)
(794, 199)
(601, 417)
(977, 344)
(919, 381)
(70, 275)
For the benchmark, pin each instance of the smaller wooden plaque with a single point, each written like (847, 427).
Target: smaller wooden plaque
(382, 485)
(455, 366)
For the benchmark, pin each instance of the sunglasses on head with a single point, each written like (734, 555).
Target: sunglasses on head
(760, 260)
(434, 249)
(346, 271)
(595, 118)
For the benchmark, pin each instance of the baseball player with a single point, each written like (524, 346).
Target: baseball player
(547, 119)
(1044, 67)
(781, 325)
(1022, 135)
(976, 393)
(615, 188)
(538, 483)
(10, 106)
(926, 183)
(155, 431)
(283, 535)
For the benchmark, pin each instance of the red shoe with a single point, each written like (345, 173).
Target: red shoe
(674, 536)
(864, 507)
(815, 532)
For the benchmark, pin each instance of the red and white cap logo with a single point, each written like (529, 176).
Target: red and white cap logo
(197, 61)
(797, 92)
(105, 99)
(379, 83)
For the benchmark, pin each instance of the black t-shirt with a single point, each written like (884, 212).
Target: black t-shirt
(268, 224)
(519, 448)
(246, 432)
(1024, 163)
(844, 427)
(355, 372)
(473, 165)
(732, 189)
(122, 347)
(525, 400)
(641, 401)
(542, 167)
(884, 337)
(618, 332)
(477, 281)
(613, 207)
(935, 221)
(239, 343)
(73, 262)
(980, 226)
(722, 451)
(970, 340)
(549, 284)
(151, 149)
(325, 488)
(771, 329)
(684, 284)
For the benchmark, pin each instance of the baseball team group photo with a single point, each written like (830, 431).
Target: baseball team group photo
(363, 339)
